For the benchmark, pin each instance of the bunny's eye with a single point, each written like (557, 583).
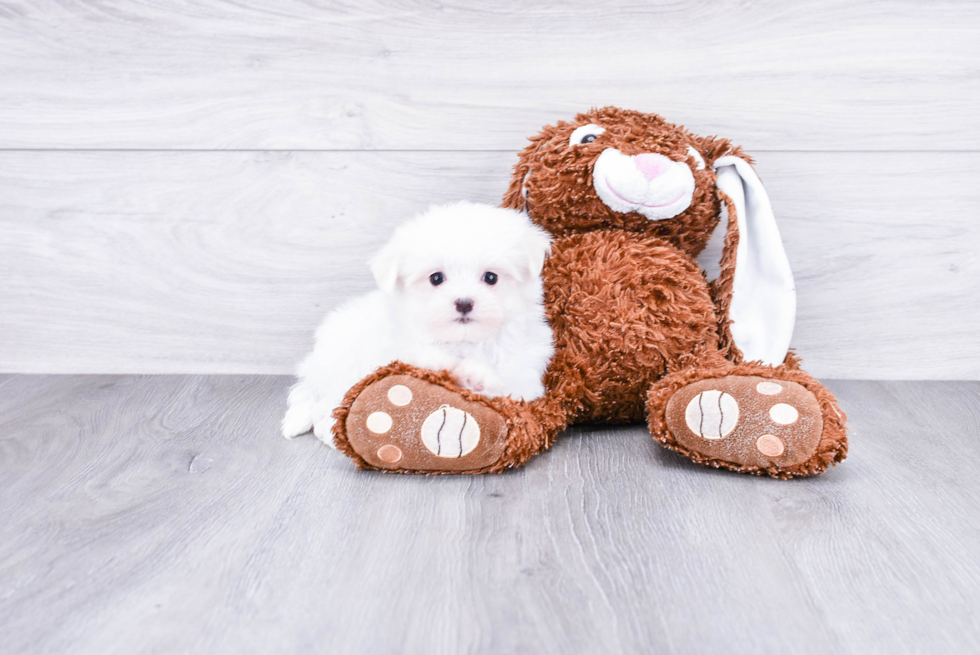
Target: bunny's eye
(585, 134)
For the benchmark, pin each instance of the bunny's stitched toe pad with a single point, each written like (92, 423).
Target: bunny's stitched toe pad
(746, 422)
(406, 424)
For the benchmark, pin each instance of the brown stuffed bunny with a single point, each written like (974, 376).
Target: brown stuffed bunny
(640, 334)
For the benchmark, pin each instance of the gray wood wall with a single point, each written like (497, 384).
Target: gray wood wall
(189, 187)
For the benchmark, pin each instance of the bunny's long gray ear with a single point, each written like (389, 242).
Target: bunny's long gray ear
(762, 307)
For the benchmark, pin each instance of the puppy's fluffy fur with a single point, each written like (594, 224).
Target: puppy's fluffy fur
(459, 288)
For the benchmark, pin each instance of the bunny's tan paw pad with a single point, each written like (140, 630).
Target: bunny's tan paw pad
(747, 421)
(406, 424)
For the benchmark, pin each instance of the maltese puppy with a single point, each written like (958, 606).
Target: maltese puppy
(459, 289)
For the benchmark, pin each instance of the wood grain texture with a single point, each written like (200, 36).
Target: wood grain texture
(164, 514)
(164, 74)
(226, 262)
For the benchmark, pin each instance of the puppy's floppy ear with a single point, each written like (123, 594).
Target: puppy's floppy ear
(385, 266)
(537, 245)
(756, 284)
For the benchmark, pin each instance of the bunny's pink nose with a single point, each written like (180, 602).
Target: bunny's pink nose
(651, 165)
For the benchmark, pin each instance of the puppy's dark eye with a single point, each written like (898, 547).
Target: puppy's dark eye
(436, 279)
(588, 138)
(490, 278)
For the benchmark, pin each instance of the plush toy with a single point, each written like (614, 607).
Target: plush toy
(640, 333)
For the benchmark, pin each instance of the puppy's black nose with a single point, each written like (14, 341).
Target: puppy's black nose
(464, 305)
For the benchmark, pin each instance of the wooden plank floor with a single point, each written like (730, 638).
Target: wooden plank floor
(164, 514)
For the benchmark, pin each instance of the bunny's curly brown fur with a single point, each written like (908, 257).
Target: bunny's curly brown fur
(634, 318)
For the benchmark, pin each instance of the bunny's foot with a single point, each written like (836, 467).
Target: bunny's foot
(749, 418)
(409, 420)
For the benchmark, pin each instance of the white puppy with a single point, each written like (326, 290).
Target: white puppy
(459, 289)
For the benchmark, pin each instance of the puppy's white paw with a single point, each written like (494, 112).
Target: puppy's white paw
(323, 421)
(322, 431)
(298, 420)
(477, 377)
(299, 415)
(431, 358)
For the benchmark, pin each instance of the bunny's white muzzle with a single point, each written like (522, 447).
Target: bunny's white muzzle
(649, 184)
